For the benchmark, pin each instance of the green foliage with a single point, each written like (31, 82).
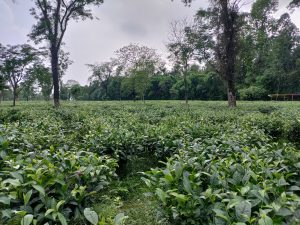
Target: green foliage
(50, 185)
(55, 163)
(240, 177)
(253, 93)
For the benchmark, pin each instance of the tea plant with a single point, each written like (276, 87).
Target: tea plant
(239, 178)
(51, 185)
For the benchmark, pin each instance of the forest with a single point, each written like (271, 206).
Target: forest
(194, 138)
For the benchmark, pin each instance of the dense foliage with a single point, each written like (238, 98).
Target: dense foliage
(220, 166)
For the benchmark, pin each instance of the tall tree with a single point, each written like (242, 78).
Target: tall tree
(29, 89)
(222, 19)
(42, 75)
(102, 72)
(15, 63)
(139, 63)
(2, 86)
(53, 18)
(2, 76)
(182, 50)
(69, 85)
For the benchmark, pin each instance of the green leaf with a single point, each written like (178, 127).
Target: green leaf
(284, 212)
(5, 200)
(178, 169)
(179, 197)
(220, 214)
(120, 219)
(161, 195)
(49, 211)
(243, 211)
(265, 220)
(17, 176)
(244, 190)
(62, 219)
(147, 181)
(294, 188)
(40, 189)
(220, 220)
(186, 182)
(13, 182)
(27, 197)
(282, 182)
(6, 213)
(27, 220)
(91, 216)
(61, 202)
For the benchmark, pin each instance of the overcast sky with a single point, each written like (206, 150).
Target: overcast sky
(120, 23)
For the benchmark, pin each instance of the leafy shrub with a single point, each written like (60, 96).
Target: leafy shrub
(51, 185)
(230, 180)
(253, 93)
(293, 131)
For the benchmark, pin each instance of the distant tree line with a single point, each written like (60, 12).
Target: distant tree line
(222, 53)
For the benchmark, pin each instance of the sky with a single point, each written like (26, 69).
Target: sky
(119, 23)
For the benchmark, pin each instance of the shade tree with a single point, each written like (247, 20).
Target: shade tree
(15, 63)
(52, 20)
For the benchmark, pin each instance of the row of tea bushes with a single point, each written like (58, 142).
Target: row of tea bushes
(239, 178)
(50, 186)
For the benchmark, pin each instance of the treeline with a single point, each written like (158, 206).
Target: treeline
(221, 53)
(266, 60)
(203, 85)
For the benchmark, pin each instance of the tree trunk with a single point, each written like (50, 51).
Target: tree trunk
(106, 90)
(55, 76)
(231, 93)
(14, 96)
(185, 88)
(227, 47)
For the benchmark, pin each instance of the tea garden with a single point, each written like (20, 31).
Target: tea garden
(111, 163)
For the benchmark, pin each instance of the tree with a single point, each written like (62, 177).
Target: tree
(294, 4)
(42, 75)
(226, 44)
(2, 86)
(2, 76)
(221, 21)
(69, 85)
(182, 50)
(53, 18)
(265, 59)
(102, 72)
(280, 62)
(75, 91)
(15, 63)
(28, 87)
(139, 63)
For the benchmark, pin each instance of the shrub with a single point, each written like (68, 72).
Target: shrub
(253, 93)
(230, 181)
(51, 185)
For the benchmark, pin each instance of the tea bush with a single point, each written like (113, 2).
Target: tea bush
(51, 185)
(238, 178)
